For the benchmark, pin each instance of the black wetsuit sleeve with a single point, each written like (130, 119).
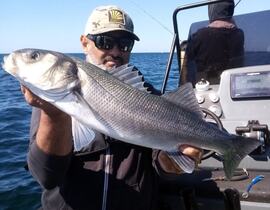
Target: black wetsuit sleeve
(48, 170)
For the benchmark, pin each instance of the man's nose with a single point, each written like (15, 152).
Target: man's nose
(115, 50)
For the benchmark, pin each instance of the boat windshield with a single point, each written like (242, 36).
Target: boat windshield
(256, 36)
(255, 51)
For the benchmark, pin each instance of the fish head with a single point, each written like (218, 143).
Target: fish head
(43, 69)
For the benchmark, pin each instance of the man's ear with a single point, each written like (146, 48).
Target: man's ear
(84, 42)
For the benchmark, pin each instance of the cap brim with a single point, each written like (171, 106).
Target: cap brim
(134, 36)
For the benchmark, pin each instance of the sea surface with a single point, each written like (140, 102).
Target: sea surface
(18, 190)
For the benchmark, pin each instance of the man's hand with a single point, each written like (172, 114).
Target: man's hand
(192, 152)
(54, 134)
(35, 101)
(169, 166)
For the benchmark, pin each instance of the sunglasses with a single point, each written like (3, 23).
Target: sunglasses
(107, 42)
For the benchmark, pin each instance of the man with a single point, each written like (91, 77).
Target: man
(214, 48)
(106, 174)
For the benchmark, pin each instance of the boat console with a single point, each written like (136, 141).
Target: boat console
(240, 104)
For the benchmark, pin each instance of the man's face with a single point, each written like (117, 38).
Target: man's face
(107, 58)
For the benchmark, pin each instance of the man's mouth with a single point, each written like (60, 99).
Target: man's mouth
(113, 61)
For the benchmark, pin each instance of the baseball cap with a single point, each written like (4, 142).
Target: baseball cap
(109, 18)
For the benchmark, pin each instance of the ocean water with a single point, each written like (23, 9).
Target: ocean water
(18, 190)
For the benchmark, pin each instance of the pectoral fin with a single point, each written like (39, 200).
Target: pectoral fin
(82, 135)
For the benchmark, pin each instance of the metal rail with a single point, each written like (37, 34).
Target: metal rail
(176, 42)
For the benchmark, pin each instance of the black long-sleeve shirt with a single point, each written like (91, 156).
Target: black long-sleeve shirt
(107, 174)
(213, 50)
(79, 181)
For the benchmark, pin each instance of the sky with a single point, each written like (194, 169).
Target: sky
(58, 24)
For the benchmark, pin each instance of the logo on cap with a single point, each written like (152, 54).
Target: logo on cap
(116, 16)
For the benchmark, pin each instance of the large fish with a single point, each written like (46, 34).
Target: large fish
(97, 100)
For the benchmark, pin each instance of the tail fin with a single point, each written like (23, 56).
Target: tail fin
(241, 148)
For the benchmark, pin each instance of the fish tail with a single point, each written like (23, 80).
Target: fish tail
(241, 148)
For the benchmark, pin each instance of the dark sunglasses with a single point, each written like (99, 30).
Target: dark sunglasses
(107, 42)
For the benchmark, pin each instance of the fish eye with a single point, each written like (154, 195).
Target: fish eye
(35, 55)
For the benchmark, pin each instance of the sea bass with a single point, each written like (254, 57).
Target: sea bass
(97, 99)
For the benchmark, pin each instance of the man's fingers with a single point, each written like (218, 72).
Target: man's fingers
(31, 98)
(192, 152)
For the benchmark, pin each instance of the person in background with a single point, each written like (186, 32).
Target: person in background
(214, 48)
(106, 174)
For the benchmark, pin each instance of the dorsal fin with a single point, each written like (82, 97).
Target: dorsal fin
(185, 97)
(124, 68)
(130, 75)
(126, 73)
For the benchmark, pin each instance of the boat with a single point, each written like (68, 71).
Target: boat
(239, 103)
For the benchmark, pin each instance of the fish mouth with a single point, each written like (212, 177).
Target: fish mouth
(9, 64)
(3, 64)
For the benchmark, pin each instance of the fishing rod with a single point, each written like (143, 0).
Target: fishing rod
(152, 17)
